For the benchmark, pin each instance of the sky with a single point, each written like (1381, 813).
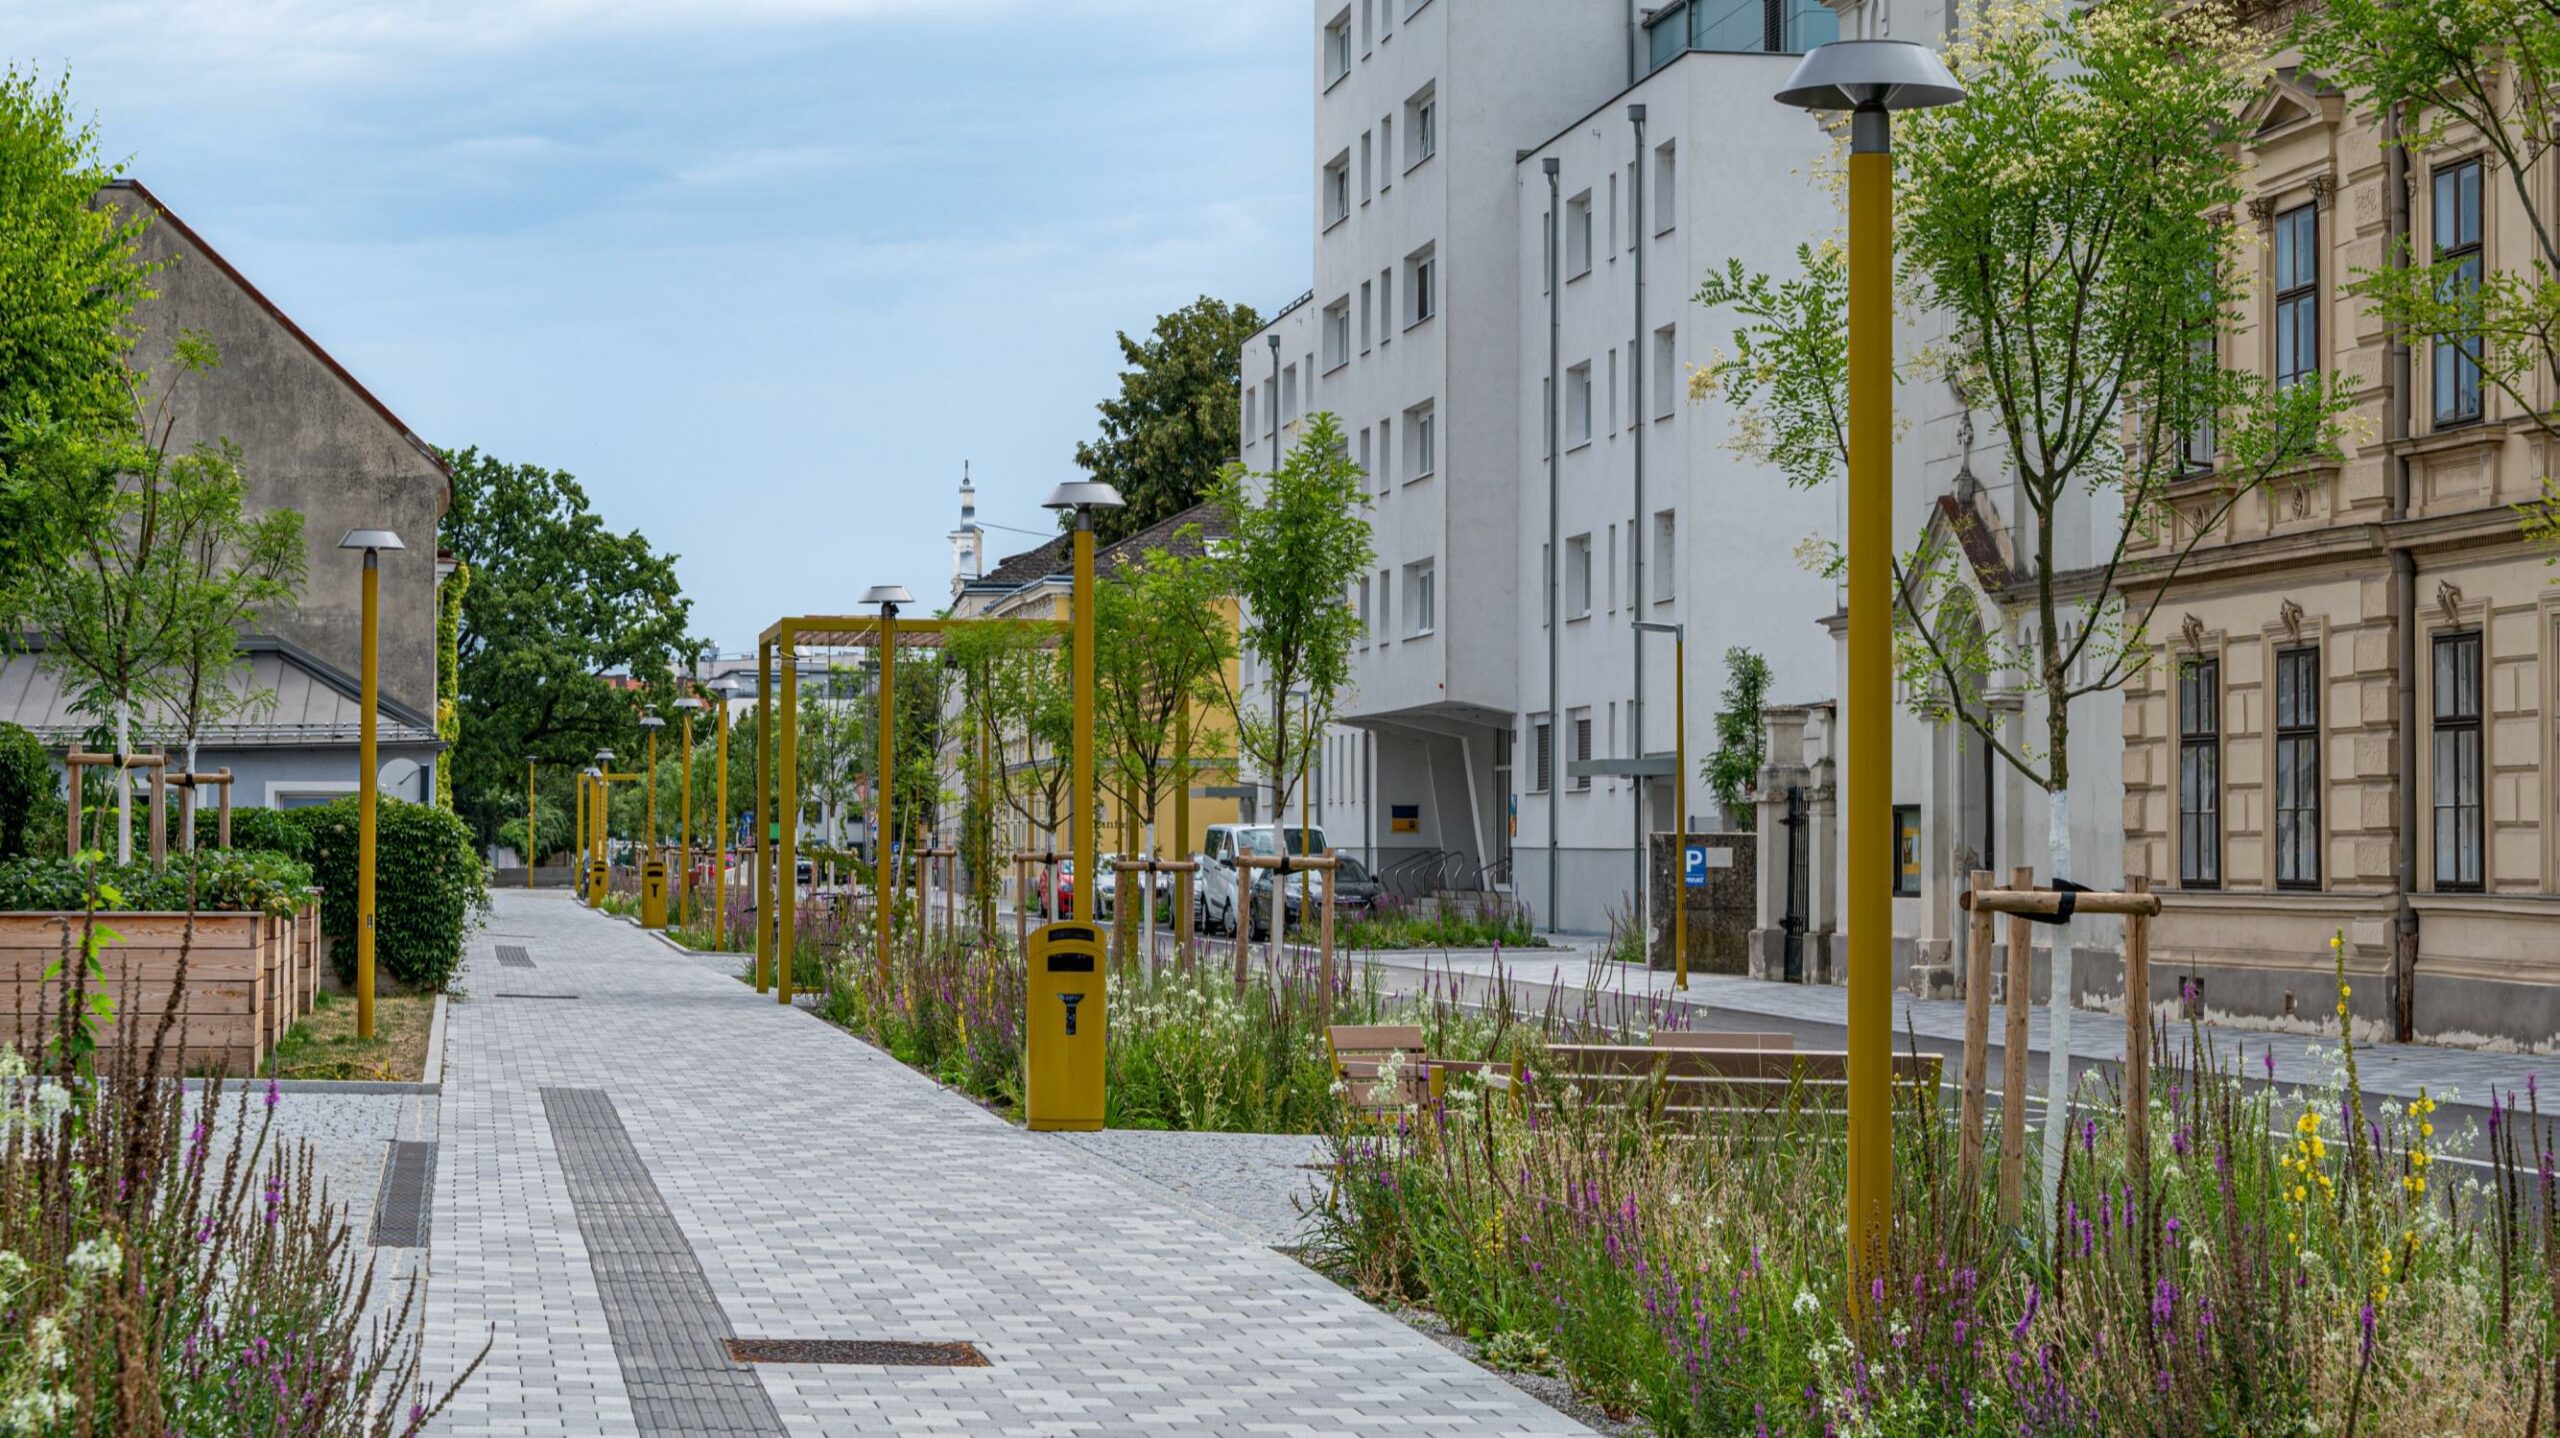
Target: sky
(762, 274)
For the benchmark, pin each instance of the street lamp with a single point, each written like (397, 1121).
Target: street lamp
(884, 761)
(600, 873)
(1679, 793)
(372, 542)
(1870, 79)
(1083, 497)
(684, 824)
(727, 687)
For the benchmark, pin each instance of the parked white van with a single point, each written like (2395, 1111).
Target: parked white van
(1213, 907)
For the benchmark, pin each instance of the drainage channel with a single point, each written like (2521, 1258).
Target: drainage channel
(514, 956)
(401, 1207)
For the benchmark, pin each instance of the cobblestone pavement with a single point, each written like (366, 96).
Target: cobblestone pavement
(1253, 1184)
(826, 1191)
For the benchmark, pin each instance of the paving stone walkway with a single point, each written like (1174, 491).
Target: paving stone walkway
(639, 1157)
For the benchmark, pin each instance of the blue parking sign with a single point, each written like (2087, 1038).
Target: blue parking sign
(1693, 866)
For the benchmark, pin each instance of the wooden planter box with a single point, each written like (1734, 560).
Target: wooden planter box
(242, 985)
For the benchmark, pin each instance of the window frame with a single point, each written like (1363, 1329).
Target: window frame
(2450, 720)
(1906, 831)
(1336, 325)
(2199, 718)
(1337, 48)
(2296, 802)
(2457, 352)
(1577, 577)
(1580, 719)
(1542, 754)
(2299, 301)
(1336, 189)
(1577, 405)
(1422, 598)
(1577, 237)
(1421, 285)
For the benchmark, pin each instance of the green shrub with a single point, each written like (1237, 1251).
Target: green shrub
(26, 782)
(428, 880)
(226, 880)
(274, 830)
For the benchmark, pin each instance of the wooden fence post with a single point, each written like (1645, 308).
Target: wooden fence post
(1977, 1039)
(2137, 1040)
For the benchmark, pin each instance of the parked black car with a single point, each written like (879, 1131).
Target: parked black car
(1356, 893)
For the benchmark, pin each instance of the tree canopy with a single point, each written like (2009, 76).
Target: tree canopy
(1175, 422)
(561, 617)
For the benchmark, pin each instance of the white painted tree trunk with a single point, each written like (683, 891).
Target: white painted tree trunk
(124, 788)
(2057, 1081)
(187, 836)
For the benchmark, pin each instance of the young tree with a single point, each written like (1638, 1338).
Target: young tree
(2062, 227)
(1160, 642)
(2446, 74)
(1297, 539)
(1016, 726)
(557, 604)
(1175, 420)
(236, 567)
(1741, 744)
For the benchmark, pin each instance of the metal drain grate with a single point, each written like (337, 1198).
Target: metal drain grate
(407, 1196)
(879, 1351)
(534, 996)
(514, 956)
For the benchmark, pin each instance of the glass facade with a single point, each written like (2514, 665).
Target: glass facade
(1778, 26)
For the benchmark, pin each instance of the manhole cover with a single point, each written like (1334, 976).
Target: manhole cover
(886, 1352)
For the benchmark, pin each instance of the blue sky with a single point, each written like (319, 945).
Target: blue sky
(761, 273)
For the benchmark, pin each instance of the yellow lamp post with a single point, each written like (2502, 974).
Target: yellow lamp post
(578, 833)
(884, 865)
(684, 824)
(1679, 794)
(529, 845)
(1083, 497)
(369, 777)
(653, 861)
(727, 688)
(761, 872)
(786, 844)
(600, 872)
(1870, 79)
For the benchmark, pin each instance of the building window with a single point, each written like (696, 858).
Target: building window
(1666, 173)
(2457, 236)
(1365, 473)
(1337, 48)
(1577, 577)
(1386, 153)
(2297, 834)
(2196, 436)
(1367, 294)
(1251, 430)
(1542, 772)
(1581, 748)
(1337, 189)
(1421, 603)
(2200, 774)
(1368, 23)
(1289, 391)
(1666, 550)
(1613, 211)
(1387, 305)
(1577, 405)
(1386, 454)
(2297, 294)
(1386, 606)
(1421, 127)
(1666, 388)
(1906, 851)
(1577, 236)
(1363, 611)
(1365, 167)
(1337, 333)
(2459, 834)
(1420, 268)
(1421, 434)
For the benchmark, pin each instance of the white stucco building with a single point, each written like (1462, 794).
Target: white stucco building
(1427, 334)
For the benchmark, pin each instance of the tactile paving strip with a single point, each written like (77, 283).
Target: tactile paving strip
(407, 1196)
(667, 1325)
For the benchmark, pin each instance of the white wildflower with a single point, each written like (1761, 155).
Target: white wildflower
(1806, 1305)
(96, 1256)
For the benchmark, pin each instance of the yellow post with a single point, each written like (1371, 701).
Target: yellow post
(884, 886)
(369, 779)
(763, 842)
(1869, 691)
(720, 826)
(684, 827)
(530, 847)
(578, 823)
(1680, 807)
(653, 859)
(1085, 797)
(786, 862)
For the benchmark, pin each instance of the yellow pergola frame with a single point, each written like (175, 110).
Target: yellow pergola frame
(778, 756)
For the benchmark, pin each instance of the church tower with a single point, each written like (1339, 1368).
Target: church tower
(968, 545)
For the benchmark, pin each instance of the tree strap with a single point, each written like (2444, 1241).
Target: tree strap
(2062, 911)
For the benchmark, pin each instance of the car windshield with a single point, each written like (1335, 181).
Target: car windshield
(1263, 843)
(1349, 870)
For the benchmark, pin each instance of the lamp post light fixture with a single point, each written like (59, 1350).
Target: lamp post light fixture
(685, 705)
(1679, 793)
(884, 863)
(1870, 79)
(1083, 497)
(369, 720)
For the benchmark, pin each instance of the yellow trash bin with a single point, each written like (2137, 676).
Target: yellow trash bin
(1068, 1024)
(653, 893)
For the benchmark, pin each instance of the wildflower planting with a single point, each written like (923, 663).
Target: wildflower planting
(2286, 1262)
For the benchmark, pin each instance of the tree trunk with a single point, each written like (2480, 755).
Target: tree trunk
(2057, 1081)
(124, 787)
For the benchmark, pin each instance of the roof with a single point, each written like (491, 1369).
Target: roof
(314, 705)
(1052, 561)
(328, 361)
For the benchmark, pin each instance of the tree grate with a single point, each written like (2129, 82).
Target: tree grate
(514, 956)
(407, 1196)
(881, 1352)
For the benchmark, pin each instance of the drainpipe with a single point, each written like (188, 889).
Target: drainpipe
(1635, 526)
(2404, 601)
(1555, 554)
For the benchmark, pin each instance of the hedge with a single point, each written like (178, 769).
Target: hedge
(226, 881)
(428, 881)
(26, 783)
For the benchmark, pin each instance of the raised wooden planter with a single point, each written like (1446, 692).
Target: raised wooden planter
(244, 986)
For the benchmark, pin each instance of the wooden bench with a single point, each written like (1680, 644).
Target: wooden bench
(1699, 1080)
(1363, 1055)
(1703, 1039)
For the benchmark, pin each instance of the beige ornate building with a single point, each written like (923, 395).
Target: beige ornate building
(2352, 713)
